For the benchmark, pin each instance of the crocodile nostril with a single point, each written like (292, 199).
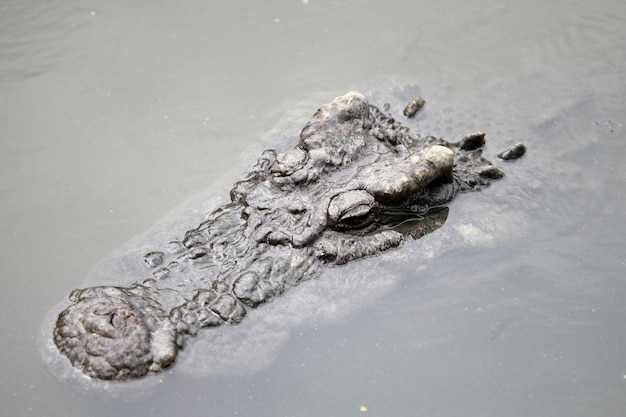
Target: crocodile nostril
(117, 321)
(102, 311)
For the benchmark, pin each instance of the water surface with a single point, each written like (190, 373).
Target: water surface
(113, 114)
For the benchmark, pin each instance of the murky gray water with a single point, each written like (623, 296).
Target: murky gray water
(113, 114)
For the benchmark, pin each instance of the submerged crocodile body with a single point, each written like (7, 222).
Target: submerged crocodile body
(356, 184)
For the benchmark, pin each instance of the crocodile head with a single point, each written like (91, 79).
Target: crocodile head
(356, 184)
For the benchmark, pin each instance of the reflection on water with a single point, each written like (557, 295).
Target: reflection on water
(113, 114)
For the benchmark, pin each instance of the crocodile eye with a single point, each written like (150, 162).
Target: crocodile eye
(351, 210)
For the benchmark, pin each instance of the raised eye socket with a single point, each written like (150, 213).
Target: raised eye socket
(351, 210)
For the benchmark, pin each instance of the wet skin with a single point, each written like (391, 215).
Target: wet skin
(357, 183)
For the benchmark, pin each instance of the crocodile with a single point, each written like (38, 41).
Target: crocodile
(356, 184)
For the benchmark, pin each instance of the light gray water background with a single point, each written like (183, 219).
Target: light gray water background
(114, 113)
